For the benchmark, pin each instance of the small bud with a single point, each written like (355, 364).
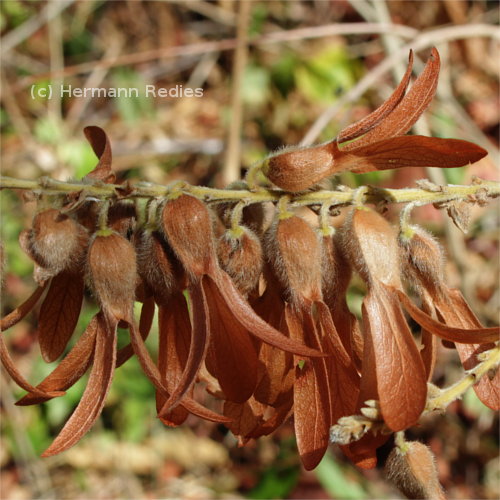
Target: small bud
(121, 217)
(295, 252)
(300, 169)
(112, 272)
(336, 270)
(422, 257)
(241, 258)
(369, 242)
(187, 224)
(413, 471)
(154, 263)
(56, 242)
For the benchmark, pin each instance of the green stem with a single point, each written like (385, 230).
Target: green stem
(372, 194)
(488, 360)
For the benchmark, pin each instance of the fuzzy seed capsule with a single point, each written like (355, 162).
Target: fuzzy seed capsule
(56, 242)
(154, 264)
(241, 257)
(369, 242)
(295, 253)
(112, 273)
(422, 257)
(187, 225)
(414, 472)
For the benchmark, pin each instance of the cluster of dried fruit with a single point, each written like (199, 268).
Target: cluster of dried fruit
(265, 324)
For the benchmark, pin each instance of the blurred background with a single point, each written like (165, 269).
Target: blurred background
(272, 73)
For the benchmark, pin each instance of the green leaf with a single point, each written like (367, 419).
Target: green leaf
(255, 85)
(338, 482)
(131, 108)
(275, 483)
(326, 74)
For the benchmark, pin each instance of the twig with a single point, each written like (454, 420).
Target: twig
(489, 360)
(94, 80)
(56, 56)
(231, 169)
(212, 11)
(25, 30)
(34, 472)
(229, 44)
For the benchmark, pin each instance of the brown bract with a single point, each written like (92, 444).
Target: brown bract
(376, 141)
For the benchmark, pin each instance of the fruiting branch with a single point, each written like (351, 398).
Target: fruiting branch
(426, 193)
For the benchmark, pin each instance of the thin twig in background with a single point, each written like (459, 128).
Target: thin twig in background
(232, 162)
(212, 11)
(94, 80)
(56, 57)
(35, 471)
(16, 116)
(25, 30)
(229, 44)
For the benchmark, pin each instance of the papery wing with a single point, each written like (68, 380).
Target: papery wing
(185, 373)
(253, 323)
(459, 313)
(22, 310)
(59, 314)
(70, 369)
(311, 396)
(410, 151)
(470, 335)
(373, 119)
(400, 373)
(232, 357)
(174, 341)
(90, 406)
(409, 109)
(99, 141)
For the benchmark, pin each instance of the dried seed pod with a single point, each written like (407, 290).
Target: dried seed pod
(414, 472)
(121, 217)
(299, 169)
(369, 242)
(336, 270)
(422, 257)
(187, 224)
(241, 257)
(56, 242)
(294, 249)
(253, 215)
(112, 273)
(154, 263)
